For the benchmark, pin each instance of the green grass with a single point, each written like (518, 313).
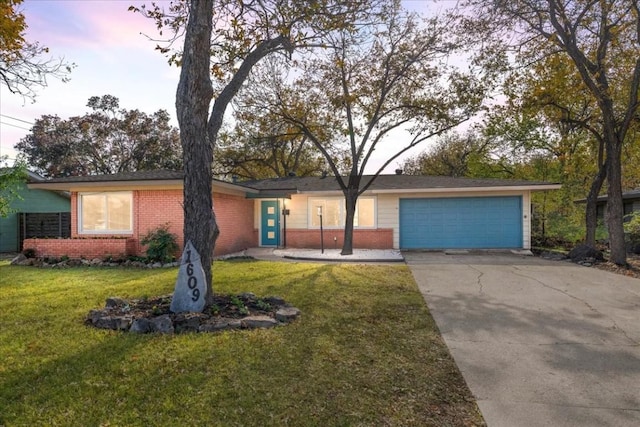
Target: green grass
(365, 352)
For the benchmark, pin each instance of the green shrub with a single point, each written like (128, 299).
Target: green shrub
(632, 226)
(161, 244)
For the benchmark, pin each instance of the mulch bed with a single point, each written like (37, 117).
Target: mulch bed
(632, 269)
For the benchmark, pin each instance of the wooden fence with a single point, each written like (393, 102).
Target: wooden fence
(43, 225)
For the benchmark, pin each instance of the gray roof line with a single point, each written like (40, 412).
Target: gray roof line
(155, 175)
(390, 183)
(315, 183)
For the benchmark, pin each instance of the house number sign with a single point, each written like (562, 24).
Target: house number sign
(189, 291)
(192, 281)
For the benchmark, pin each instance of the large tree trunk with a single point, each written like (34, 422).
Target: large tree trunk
(615, 207)
(350, 198)
(591, 211)
(193, 98)
(198, 130)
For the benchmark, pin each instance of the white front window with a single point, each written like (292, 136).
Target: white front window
(105, 213)
(334, 212)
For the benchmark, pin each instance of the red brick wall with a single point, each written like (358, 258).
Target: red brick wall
(234, 216)
(154, 208)
(78, 248)
(74, 215)
(151, 209)
(381, 238)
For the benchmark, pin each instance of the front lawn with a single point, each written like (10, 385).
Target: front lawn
(364, 352)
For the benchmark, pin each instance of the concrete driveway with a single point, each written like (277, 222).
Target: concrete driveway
(540, 343)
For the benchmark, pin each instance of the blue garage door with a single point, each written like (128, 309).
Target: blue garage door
(461, 222)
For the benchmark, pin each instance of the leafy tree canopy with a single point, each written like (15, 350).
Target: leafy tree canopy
(266, 153)
(107, 140)
(600, 43)
(453, 154)
(24, 65)
(392, 75)
(10, 179)
(226, 39)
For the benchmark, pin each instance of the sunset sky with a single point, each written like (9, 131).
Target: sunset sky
(107, 43)
(104, 40)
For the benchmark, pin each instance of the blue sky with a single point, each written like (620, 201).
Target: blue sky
(107, 43)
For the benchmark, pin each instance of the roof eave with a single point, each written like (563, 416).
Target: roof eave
(233, 187)
(540, 187)
(603, 199)
(138, 184)
(80, 185)
(537, 187)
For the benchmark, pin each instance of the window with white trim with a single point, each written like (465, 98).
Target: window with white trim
(334, 212)
(105, 213)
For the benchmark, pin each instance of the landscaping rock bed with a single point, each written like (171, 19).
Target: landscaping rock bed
(245, 311)
(632, 269)
(21, 259)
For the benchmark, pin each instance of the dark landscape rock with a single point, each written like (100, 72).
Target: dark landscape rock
(218, 325)
(18, 259)
(587, 262)
(22, 260)
(287, 314)
(585, 253)
(149, 315)
(115, 302)
(254, 322)
(94, 315)
(27, 262)
(162, 324)
(555, 256)
(188, 322)
(141, 326)
(275, 300)
(117, 323)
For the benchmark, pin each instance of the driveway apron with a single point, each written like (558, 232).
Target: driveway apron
(540, 343)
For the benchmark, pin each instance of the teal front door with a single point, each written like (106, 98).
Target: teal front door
(270, 223)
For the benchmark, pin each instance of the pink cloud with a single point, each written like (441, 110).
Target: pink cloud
(114, 25)
(87, 24)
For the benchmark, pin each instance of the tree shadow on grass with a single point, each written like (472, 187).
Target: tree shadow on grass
(75, 384)
(341, 363)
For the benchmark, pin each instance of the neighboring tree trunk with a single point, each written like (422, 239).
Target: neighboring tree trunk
(615, 207)
(193, 98)
(350, 198)
(599, 37)
(591, 211)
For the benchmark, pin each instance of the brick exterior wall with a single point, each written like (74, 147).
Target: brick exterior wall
(234, 216)
(154, 208)
(79, 248)
(381, 238)
(151, 209)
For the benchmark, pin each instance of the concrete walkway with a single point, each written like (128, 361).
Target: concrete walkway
(540, 343)
(329, 255)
